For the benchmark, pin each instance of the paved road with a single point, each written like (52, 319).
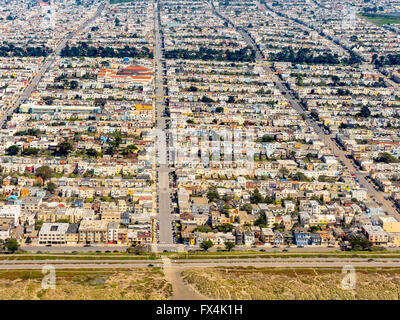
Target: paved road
(375, 195)
(26, 93)
(164, 192)
(63, 249)
(180, 289)
(76, 261)
(205, 263)
(337, 41)
(340, 40)
(211, 261)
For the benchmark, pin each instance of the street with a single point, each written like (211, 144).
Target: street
(26, 93)
(201, 263)
(375, 195)
(164, 192)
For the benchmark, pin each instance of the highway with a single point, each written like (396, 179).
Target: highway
(164, 190)
(26, 93)
(202, 263)
(375, 195)
(63, 249)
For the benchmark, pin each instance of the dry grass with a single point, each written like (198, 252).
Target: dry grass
(293, 284)
(133, 284)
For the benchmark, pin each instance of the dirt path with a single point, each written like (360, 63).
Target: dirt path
(181, 290)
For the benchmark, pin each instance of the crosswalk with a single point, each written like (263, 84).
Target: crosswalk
(166, 262)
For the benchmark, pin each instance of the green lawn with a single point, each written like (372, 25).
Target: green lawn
(380, 19)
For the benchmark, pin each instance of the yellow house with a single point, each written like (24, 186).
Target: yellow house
(389, 224)
(143, 107)
(111, 216)
(93, 231)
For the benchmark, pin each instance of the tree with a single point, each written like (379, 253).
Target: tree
(365, 112)
(256, 197)
(314, 229)
(301, 176)
(266, 138)
(386, 158)
(225, 227)
(48, 100)
(212, 195)
(314, 114)
(44, 172)
(247, 207)
(261, 221)
(38, 224)
(30, 152)
(11, 244)
(229, 245)
(64, 148)
(193, 89)
(277, 226)
(335, 79)
(360, 243)
(51, 187)
(206, 99)
(206, 244)
(13, 150)
(284, 172)
(73, 84)
(205, 228)
(130, 149)
(91, 152)
(138, 249)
